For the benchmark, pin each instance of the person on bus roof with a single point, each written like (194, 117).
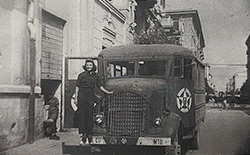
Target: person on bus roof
(85, 98)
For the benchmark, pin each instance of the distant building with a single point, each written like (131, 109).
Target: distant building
(209, 80)
(184, 27)
(245, 89)
(248, 56)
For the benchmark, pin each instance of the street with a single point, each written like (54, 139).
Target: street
(225, 132)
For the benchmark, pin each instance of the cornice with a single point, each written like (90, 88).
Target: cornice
(18, 89)
(113, 10)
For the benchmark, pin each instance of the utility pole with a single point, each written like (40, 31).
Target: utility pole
(32, 79)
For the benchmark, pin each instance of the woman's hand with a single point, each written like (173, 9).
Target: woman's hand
(46, 107)
(75, 101)
(74, 97)
(106, 91)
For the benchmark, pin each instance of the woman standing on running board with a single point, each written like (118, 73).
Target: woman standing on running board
(85, 98)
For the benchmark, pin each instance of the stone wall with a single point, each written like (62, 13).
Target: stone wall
(15, 75)
(14, 120)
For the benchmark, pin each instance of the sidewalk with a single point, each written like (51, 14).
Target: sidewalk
(68, 144)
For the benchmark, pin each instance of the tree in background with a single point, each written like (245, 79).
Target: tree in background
(154, 34)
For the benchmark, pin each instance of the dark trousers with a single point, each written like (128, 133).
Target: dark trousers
(85, 111)
(53, 114)
(49, 127)
(50, 123)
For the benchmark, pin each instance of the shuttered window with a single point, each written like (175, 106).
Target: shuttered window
(52, 46)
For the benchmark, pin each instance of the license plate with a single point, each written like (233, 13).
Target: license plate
(154, 141)
(98, 140)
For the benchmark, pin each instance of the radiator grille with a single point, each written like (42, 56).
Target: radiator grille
(126, 114)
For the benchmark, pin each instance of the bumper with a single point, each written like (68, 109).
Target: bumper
(140, 141)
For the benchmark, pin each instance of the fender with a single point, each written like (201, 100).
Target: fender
(168, 128)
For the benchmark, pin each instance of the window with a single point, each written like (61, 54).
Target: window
(120, 69)
(176, 24)
(183, 68)
(178, 67)
(151, 68)
(201, 77)
(163, 4)
(187, 68)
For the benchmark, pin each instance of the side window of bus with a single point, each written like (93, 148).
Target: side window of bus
(188, 69)
(183, 68)
(178, 67)
(120, 69)
(199, 76)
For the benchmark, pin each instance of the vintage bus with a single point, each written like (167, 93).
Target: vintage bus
(158, 99)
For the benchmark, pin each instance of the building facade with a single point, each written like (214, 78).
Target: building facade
(245, 89)
(184, 28)
(36, 38)
(248, 56)
(180, 27)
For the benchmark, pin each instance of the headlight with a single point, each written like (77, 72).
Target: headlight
(158, 121)
(99, 119)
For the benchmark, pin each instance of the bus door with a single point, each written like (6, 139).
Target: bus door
(73, 66)
(183, 90)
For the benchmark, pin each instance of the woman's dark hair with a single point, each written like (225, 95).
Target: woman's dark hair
(93, 68)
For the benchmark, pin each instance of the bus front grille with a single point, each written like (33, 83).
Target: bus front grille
(125, 114)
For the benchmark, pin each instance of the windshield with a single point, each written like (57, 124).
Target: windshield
(152, 68)
(145, 68)
(120, 69)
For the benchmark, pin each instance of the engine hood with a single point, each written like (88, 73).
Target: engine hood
(141, 85)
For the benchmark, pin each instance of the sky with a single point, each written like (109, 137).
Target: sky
(226, 27)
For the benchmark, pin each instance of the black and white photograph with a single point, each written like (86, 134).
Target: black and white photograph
(125, 77)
